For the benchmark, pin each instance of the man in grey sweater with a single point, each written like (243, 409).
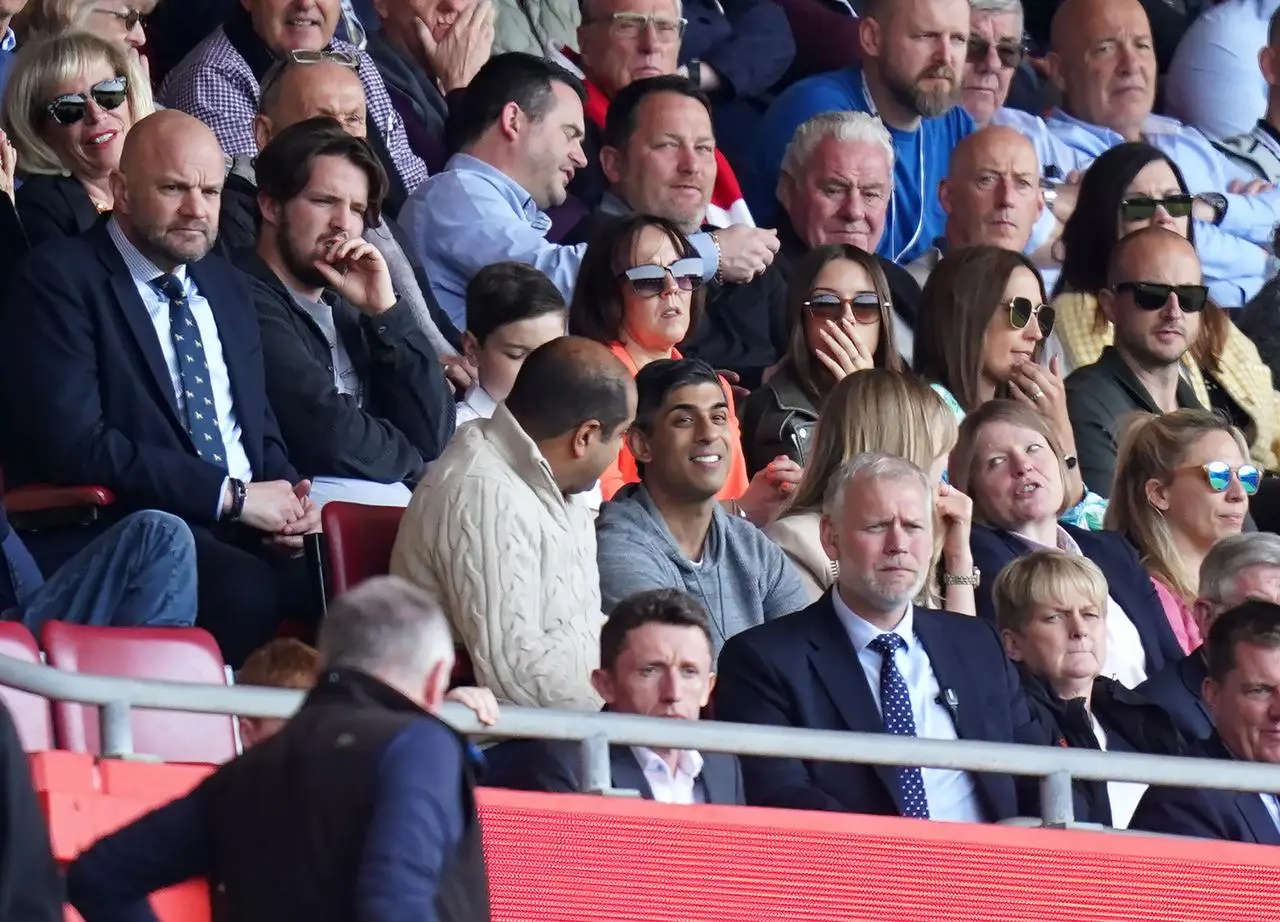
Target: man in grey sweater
(669, 531)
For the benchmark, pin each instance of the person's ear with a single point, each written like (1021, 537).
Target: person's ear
(870, 37)
(269, 209)
(248, 731)
(262, 131)
(1157, 495)
(437, 685)
(511, 121)
(638, 442)
(829, 535)
(1053, 61)
(1107, 304)
(1267, 64)
(583, 436)
(611, 160)
(786, 191)
(119, 190)
(1204, 614)
(602, 682)
(471, 347)
(1211, 693)
(706, 693)
(944, 195)
(1012, 649)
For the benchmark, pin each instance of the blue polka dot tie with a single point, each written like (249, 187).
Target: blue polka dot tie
(895, 710)
(193, 369)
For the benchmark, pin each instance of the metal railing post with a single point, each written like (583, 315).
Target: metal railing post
(1057, 807)
(115, 730)
(596, 776)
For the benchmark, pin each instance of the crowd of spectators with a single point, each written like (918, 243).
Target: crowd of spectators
(931, 395)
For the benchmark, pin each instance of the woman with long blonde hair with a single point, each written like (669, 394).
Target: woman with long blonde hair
(1183, 480)
(877, 410)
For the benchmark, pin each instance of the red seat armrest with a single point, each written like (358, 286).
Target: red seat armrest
(39, 497)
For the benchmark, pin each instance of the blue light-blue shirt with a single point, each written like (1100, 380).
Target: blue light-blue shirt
(472, 215)
(1232, 254)
(1214, 81)
(921, 159)
(8, 45)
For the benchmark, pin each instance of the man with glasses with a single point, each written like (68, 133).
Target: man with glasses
(1154, 297)
(1103, 63)
(218, 82)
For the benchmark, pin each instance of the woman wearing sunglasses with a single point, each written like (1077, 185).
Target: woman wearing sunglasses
(841, 321)
(119, 21)
(638, 293)
(1009, 461)
(1129, 187)
(1183, 480)
(69, 103)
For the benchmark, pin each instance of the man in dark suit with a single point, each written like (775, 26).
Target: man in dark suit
(1142, 371)
(360, 395)
(129, 360)
(1238, 568)
(865, 658)
(655, 660)
(1242, 692)
(659, 159)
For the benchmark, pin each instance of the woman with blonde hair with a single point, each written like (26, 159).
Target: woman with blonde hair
(877, 410)
(119, 21)
(68, 106)
(1183, 480)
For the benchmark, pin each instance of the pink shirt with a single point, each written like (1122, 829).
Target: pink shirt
(1181, 618)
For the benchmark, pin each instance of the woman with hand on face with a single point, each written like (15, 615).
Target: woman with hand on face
(899, 414)
(980, 336)
(1183, 480)
(638, 293)
(841, 321)
(1009, 461)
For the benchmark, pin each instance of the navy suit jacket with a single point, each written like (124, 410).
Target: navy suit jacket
(1233, 816)
(553, 768)
(85, 392)
(1127, 581)
(1176, 688)
(803, 671)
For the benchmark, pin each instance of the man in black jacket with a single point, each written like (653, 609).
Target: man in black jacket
(361, 807)
(358, 390)
(30, 890)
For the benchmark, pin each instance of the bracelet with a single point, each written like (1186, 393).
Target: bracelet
(953, 579)
(719, 276)
(238, 494)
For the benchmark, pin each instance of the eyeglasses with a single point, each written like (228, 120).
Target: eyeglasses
(1010, 53)
(1021, 310)
(865, 306)
(1152, 296)
(650, 280)
(1218, 475)
(630, 25)
(129, 17)
(307, 56)
(1143, 208)
(71, 107)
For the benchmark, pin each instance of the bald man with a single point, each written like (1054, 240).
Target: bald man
(131, 359)
(500, 532)
(1154, 298)
(1103, 63)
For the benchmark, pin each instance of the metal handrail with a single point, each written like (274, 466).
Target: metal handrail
(1056, 767)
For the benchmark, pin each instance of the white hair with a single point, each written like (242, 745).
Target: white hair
(872, 465)
(1232, 554)
(840, 126)
(997, 7)
(386, 627)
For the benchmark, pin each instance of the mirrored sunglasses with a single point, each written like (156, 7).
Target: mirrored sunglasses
(650, 280)
(1218, 475)
(71, 107)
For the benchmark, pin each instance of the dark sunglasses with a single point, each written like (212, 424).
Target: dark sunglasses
(130, 18)
(1010, 53)
(1143, 208)
(1152, 296)
(1021, 310)
(1218, 475)
(71, 107)
(649, 281)
(865, 307)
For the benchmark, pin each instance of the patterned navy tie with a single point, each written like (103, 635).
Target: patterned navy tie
(193, 369)
(895, 710)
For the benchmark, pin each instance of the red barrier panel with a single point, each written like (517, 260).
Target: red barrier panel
(567, 858)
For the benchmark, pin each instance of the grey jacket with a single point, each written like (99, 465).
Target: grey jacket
(743, 579)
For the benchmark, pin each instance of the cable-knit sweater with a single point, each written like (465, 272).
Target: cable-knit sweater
(513, 563)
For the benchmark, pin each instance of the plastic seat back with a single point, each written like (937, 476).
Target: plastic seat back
(30, 712)
(358, 541)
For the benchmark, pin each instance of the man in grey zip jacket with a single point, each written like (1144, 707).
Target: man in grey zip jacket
(669, 530)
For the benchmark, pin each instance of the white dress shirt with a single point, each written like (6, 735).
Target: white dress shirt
(143, 272)
(1123, 795)
(951, 794)
(678, 786)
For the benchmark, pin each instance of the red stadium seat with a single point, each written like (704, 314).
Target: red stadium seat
(30, 712)
(172, 654)
(358, 540)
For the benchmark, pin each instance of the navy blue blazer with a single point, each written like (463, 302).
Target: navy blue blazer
(1233, 816)
(803, 671)
(85, 392)
(1127, 581)
(1176, 688)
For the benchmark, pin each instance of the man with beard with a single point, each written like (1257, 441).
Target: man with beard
(912, 54)
(131, 359)
(355, 383)
(1153, 298)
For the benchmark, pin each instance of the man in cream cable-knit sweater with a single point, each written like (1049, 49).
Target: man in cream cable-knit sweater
(498, 530)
